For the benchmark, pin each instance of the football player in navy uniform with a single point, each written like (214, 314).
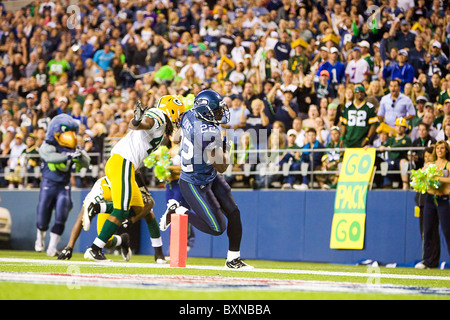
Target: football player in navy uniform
(203, 155)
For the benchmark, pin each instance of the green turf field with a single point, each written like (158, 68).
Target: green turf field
(30, 275)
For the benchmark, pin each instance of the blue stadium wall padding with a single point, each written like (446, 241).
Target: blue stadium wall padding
(283, 225)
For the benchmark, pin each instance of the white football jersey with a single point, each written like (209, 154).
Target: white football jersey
(138, 144)
(357, 70)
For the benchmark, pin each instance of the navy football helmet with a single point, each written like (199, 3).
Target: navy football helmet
(209, 107)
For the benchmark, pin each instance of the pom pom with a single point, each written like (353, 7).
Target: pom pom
(422, 180)
(431, 172)
(188, 101)
(160, 162)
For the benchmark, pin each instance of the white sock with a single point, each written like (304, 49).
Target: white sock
(181, 210)
(119, 241)
(102, 207)
(40, 235)
(54, 239)
(156, 242)
(99, 243)
(231, 255)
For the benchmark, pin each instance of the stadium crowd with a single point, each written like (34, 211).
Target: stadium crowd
(309, 73)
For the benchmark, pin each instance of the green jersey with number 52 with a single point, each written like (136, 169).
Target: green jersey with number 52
(358, 120)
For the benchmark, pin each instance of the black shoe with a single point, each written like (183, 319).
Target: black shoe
(125, 249)
(159, 256)
(89, 213)
(238, 264)
(95, 254)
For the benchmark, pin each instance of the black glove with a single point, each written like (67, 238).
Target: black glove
(66, 254)
(139, 112)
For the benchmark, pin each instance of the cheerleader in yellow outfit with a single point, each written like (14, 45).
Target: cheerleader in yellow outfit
(148, 127)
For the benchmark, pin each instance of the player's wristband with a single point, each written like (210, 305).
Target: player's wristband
(367, 139)
(341, 138)
(135, 123)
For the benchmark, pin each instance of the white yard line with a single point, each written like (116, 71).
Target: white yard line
(215, 283)
(372, 274)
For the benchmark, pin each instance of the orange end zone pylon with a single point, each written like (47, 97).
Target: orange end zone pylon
(178, 240)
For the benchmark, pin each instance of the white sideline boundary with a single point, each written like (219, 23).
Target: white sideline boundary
(371, 274)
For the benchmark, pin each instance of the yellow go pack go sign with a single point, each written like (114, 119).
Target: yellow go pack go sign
(347, 230)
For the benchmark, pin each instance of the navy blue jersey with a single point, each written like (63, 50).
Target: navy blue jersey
(197, 137)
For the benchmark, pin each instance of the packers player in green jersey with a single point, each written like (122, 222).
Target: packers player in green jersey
(359, 120)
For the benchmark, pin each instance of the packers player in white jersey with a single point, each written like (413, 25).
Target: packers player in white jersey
(148, 127)
(98, 202)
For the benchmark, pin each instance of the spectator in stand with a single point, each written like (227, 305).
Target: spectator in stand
(324, 89)
(331, 159)
(282, 47)
(395, 105)
(397, 159)
(291, 159)
(428, 119)
(359, 121)
(402, 70)
(357, 69)
(103, 57)
(420, 111)
(417, 55)
(256, 121)
(17, 146)
(285, 110)
(437, 61)
(401, 33)
(306, 96)
(314, 160)
(234, 127)
(424, 140)
(299, 63)
(270, 32)
(57, 67)
(335, 68)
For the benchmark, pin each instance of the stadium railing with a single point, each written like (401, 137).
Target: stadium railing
(263, 167)
(24, 173)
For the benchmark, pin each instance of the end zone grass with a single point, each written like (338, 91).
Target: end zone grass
(321, 280)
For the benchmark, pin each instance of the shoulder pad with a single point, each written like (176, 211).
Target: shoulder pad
(370, 105)
(156, 114)
(348, 104)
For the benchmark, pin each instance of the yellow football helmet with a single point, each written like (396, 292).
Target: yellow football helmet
(172, 106)
(401, 122)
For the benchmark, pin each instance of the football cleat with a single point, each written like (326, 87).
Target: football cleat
(95, 255)
(159, 256)
(52, 252)
(90, 210)
(125, 248)
(421, 265)
(164, 223)
(238, 264)
(39, 246)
